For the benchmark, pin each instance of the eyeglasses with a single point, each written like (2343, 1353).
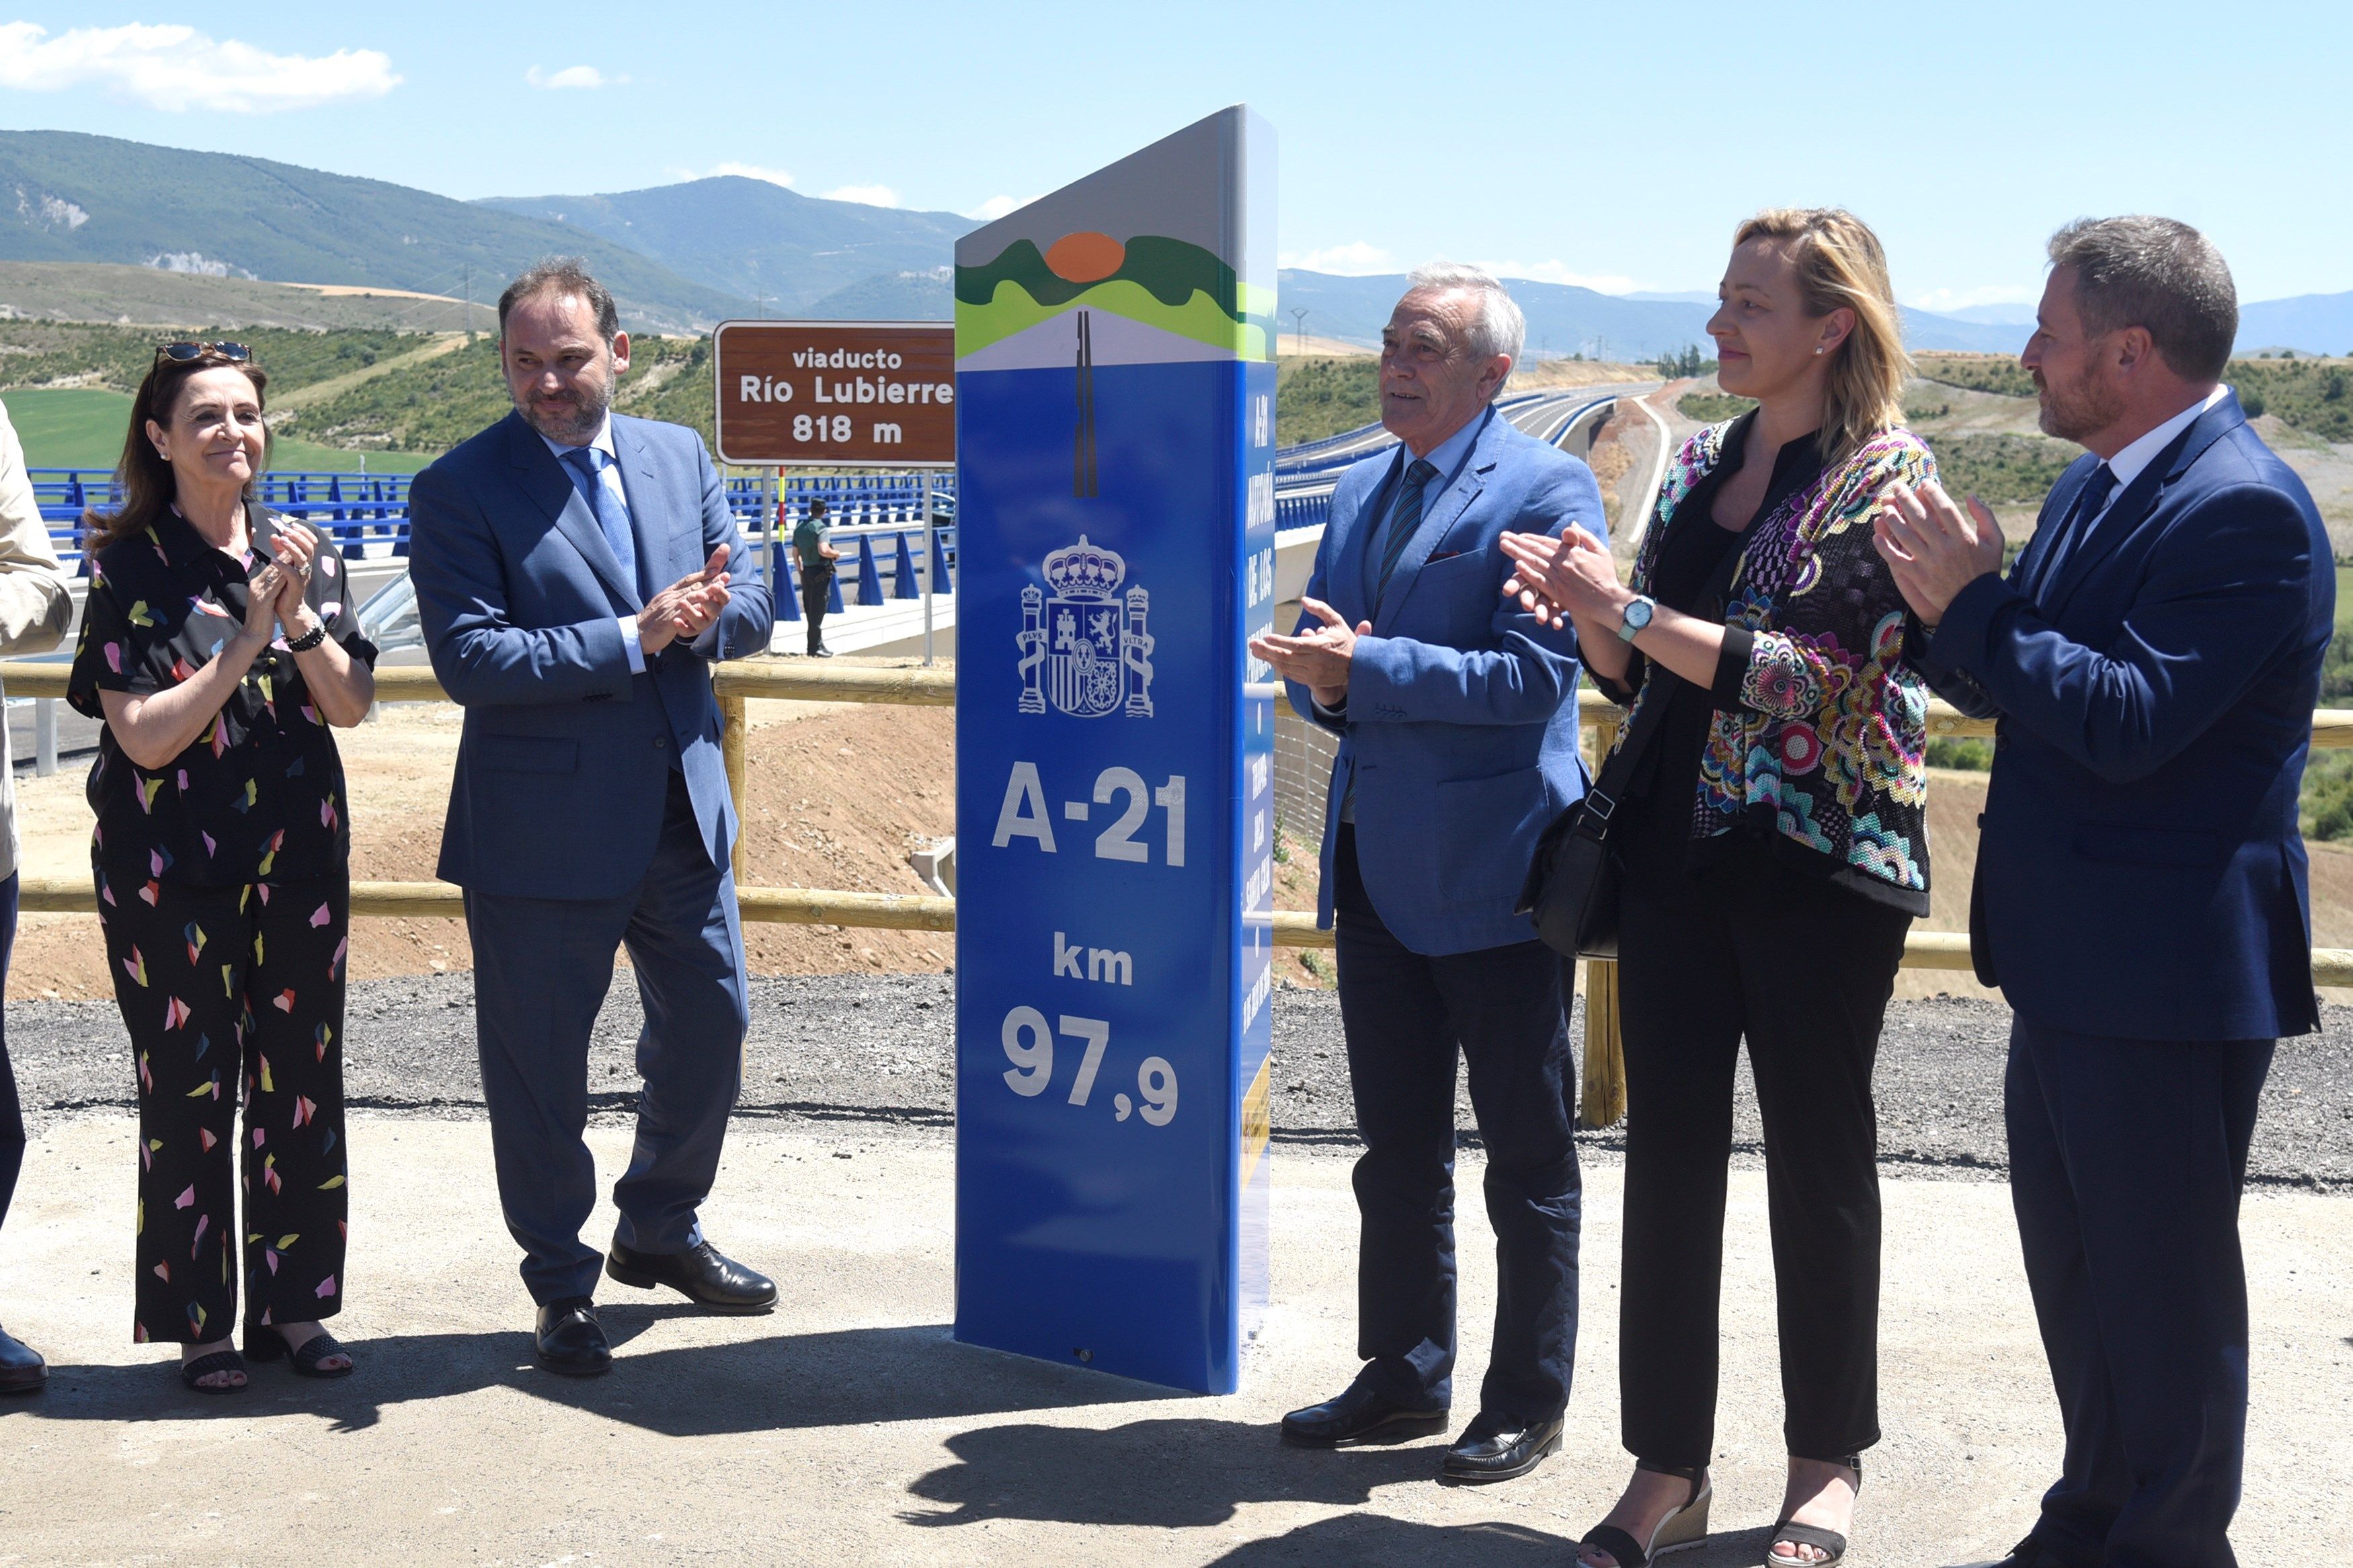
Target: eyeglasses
(235, 353)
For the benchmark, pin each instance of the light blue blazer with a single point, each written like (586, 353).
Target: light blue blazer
(565, 759)
(1459, 731)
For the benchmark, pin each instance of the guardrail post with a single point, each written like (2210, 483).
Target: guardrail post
(45, 736)
(1603, 1100)
(731, 752)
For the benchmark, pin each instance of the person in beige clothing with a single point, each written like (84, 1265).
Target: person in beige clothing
(35, 610)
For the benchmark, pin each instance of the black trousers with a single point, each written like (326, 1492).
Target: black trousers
(816, 588)
(2126, 1158)
(1405, 1014)
(1803, 970)
(232, 993)
(12, 1115)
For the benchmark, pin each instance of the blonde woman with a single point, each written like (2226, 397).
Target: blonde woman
(1774, 854)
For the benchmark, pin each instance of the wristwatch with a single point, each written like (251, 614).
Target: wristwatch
(1635, 616)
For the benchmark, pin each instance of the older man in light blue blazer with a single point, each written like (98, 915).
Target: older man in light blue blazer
(572, 576)
(1457, 713)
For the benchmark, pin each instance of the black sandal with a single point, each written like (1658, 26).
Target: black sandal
(265, 1344)
(1681, 1527)
(207, 1365)
(1814, 1535)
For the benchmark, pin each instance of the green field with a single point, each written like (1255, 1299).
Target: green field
(83, 427)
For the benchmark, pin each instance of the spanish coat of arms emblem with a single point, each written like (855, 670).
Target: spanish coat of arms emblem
(1085, 649)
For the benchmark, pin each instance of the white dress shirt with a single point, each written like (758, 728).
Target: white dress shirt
(609, 479)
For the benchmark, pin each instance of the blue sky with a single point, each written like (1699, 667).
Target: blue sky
(1614, 146)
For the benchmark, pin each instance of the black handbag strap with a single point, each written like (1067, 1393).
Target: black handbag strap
(1609, 789)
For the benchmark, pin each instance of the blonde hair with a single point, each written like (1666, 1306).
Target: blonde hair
(1840, 265)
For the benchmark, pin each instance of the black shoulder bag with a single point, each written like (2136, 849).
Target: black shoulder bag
(1572, 883)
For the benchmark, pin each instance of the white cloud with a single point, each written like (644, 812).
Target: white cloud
(996, 208)
(1560, 272)
(1942, 299)
(1355, 259)
(748, 172)
(572, 76)
(872, 195)
(176, 69)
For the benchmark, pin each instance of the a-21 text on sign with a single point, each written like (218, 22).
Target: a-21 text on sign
(836, 394)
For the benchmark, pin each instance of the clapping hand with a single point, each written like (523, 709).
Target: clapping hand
(1558, 579)
(292, 549)
(687, 607)
(1933, 548)
(1319, 660)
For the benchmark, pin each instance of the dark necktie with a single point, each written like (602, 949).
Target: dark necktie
(1404, 519)
(586, 463)
(2078, 522)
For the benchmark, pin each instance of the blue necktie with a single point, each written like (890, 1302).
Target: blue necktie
(587, 464)
(1404, 519)
(2070, 537)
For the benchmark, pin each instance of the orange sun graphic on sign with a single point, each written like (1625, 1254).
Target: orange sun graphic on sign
(1086, 257)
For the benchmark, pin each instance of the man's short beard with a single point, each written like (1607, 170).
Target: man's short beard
(579, 429)
(2081, 408)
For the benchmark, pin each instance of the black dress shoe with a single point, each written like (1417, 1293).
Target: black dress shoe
(702, 1274)
(1359, 1415)
(22, 1369)
(571, 1341)
(2031, 1554)
(1492, 1448)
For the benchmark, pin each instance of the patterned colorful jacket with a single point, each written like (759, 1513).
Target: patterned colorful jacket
(1829, 746)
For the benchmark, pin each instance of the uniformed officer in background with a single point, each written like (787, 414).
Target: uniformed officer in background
(817, 557)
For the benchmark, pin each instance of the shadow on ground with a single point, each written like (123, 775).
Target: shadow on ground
(848, 1378)
(1371, 1540)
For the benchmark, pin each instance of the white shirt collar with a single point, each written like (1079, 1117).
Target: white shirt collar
(1447, 453)
(602, 440)
(2128, 464)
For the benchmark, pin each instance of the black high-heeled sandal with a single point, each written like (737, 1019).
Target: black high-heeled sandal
(266, 1343)
(204, 1366)
(1681, 1527)
(1790, 1532)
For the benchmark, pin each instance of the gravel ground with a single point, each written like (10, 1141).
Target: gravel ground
(875, 1050)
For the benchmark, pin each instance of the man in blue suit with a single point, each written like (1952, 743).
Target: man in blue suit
(1457, 714)
(2140, 894)
(571, 571)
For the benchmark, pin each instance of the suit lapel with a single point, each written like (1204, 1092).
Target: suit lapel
(658, 548)
(1345, 581)
(1436, 521)
(2139, 500)
(543, 479)
(2034, 561)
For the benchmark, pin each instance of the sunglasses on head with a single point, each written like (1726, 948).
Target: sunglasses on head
(184, 353)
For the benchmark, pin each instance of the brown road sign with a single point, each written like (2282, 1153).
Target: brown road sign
(847, 393)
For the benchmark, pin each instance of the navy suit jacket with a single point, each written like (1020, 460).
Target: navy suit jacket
(1459, 734)
(563, 767)
(2139, 869)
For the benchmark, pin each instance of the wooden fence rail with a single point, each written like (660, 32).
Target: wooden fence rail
(1604, 1097)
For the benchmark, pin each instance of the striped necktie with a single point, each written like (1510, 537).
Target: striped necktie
(1404, 519)
(587, 466)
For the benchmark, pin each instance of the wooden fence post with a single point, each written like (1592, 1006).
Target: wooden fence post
(731, 752)
(1603, 1100)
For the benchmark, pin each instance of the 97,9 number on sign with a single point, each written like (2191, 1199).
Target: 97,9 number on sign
(1029, 1047)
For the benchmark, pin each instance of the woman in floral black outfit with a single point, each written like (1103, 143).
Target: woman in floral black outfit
(219, 645)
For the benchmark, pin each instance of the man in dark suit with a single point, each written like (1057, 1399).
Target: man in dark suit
(1457, 713)
(571, 570)
(2140, 894)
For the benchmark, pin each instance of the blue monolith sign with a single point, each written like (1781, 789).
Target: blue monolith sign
(1114, 791)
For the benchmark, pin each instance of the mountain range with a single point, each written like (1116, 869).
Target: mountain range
(757, 241)
(681, 257)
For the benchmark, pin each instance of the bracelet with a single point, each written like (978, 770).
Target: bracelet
(309, 640)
